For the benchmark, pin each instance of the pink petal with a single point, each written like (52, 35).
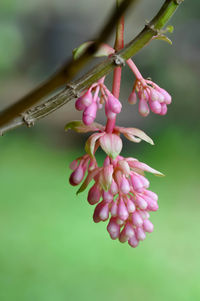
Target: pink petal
(111, 144)
(90, 143)
(145, 167)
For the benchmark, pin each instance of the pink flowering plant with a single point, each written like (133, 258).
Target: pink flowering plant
(120, 190)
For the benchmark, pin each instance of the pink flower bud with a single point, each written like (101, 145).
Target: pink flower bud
(114, 208)
(107, 196)
(144, 214)
(77, 176)
(89, 114)
(140, 234)
(126, 233)
(114, 188)
(94, 194)
(144, 181)
(114, 104)
(163, 109)
(124, 166)
(152, 204)
(132, 98)
(124, 186)
(136, 219)
(167, 96)
(143, 108)
(87, 99)
(148, 226)
(133, 242)
(109, 114)
(140, 202)
(151, 194)
(113, 228)
(155, 106)
(79, 105)
(130, 205)
(136, 183)
(156, 96)
(122, 211)
(101, 212)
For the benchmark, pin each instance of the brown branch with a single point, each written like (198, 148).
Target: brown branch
(67, 71)
(72, 90)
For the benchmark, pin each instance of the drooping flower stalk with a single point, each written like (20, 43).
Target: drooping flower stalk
(120, 189)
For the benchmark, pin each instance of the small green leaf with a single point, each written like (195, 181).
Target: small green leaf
(73, 125)
(79, 127)
(104, 50)
(163, 38)
(170, 28)
(77, 52)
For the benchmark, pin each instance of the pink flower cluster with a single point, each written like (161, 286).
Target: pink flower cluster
(90, 102)
(120, 189)
(151, 96)
(126, 203)
(120, 192)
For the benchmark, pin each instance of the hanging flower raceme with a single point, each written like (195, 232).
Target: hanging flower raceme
(120, 190)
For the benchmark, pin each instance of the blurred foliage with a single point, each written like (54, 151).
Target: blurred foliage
(11, 46)
(52, 250)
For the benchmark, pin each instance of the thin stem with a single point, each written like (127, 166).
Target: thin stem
(119, 44)
(135, 70)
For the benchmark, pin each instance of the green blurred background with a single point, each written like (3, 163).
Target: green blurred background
(50, 248)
